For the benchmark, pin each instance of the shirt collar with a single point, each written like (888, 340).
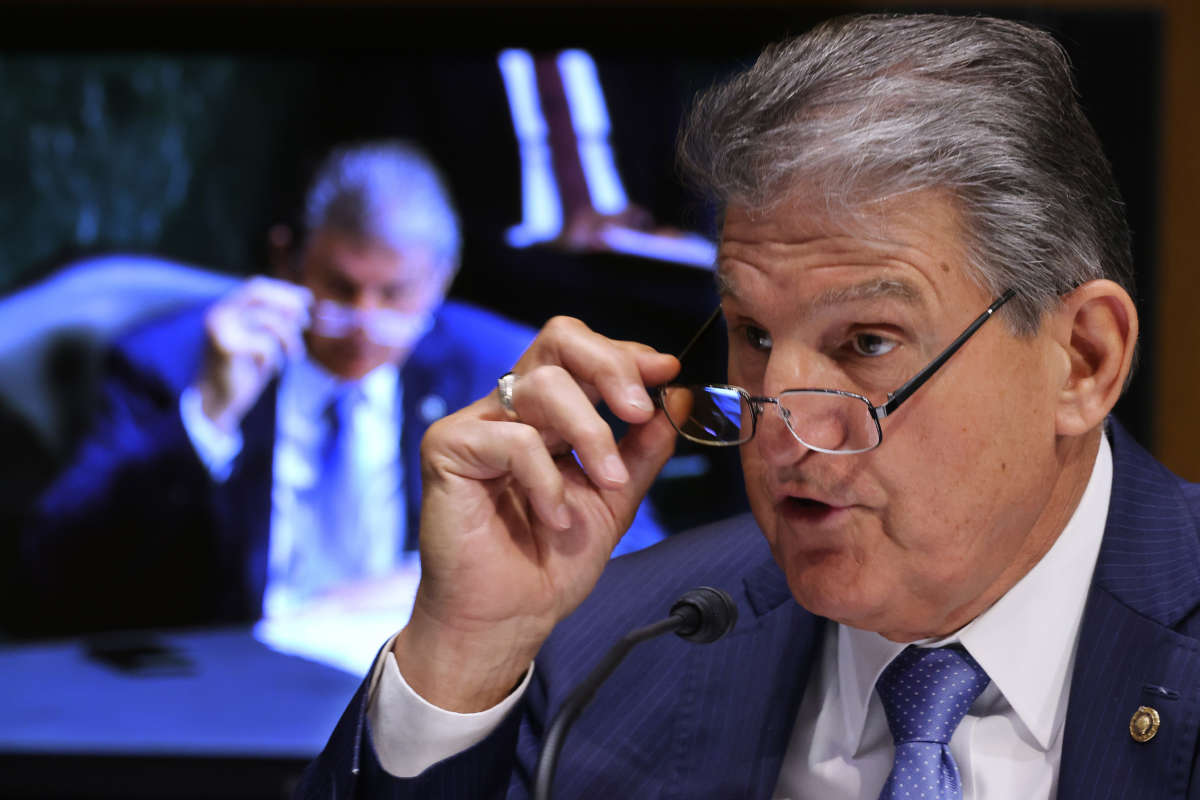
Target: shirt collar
(305, 388)
(1025, 641)
(379, 388)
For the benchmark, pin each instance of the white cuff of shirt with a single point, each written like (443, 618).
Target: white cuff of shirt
(215, 448)
(411, 734)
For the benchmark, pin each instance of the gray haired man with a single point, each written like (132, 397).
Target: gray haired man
(953, 581)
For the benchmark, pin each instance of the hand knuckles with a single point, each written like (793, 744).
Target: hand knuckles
(527, 438)
(441, 428)
(545, 379)
(561, 326)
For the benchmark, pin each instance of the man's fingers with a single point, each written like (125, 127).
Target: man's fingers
(551, 401)
(483, 450)
(263, 302)
(565, 372)
(289, 299)
(616, 371)
(556, 406)
(255, 329)
(284, 329)
(645, 449)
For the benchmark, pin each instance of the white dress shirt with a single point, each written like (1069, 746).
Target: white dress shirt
(1008, 746)
(304, 393)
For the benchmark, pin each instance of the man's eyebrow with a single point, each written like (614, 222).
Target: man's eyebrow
(879, 288)
(874, 289)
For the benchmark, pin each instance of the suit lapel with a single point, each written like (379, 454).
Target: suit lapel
(744, 696)
(242, 511)
(1147, 580)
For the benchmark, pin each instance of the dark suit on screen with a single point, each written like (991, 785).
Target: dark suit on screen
(135, 533)
(678, 720)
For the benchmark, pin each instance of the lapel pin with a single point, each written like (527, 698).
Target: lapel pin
(1143, 725)
(432, 408)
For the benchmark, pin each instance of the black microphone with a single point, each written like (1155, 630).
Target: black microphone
(701, 615)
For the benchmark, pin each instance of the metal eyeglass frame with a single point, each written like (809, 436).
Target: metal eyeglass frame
(757, 404)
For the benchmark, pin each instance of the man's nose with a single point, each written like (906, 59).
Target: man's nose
(775, 440)
(364, 300)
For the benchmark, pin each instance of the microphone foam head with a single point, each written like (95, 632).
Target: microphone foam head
(709, 614)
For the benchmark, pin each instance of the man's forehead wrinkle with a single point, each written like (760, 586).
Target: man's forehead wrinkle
(888, 286)
(877, 288)
(750, 253)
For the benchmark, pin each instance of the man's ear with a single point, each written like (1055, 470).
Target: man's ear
(1097, 327)
(281, 252)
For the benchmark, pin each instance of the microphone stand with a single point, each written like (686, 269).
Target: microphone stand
(687, 618)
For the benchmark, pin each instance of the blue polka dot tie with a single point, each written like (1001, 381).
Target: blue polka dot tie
(926, 692)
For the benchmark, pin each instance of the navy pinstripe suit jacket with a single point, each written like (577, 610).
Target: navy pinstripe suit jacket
(678, 720)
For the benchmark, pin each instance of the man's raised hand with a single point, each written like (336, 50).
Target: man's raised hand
(519, 516)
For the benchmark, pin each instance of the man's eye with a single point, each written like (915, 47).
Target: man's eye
(396, 292)
(757, 338)
(871, 345)
(341, 290)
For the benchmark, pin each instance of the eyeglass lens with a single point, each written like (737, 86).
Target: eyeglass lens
(830, 422)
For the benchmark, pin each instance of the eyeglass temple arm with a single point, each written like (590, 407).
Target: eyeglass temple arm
(687, 348)
(656, 391)
(917, 381)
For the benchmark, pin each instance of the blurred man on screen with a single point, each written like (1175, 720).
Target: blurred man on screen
(258, 456)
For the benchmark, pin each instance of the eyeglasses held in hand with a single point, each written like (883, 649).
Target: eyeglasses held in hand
(825, 420)
(384, 326)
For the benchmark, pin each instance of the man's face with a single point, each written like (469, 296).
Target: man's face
(966, 491)
(366, 275)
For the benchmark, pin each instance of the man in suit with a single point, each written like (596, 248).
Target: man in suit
(960, 579)
(259, 455)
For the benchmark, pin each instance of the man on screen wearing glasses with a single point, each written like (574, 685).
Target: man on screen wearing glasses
(259, 456)
(960, 579)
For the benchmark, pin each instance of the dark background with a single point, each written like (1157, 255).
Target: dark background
(186, 131)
